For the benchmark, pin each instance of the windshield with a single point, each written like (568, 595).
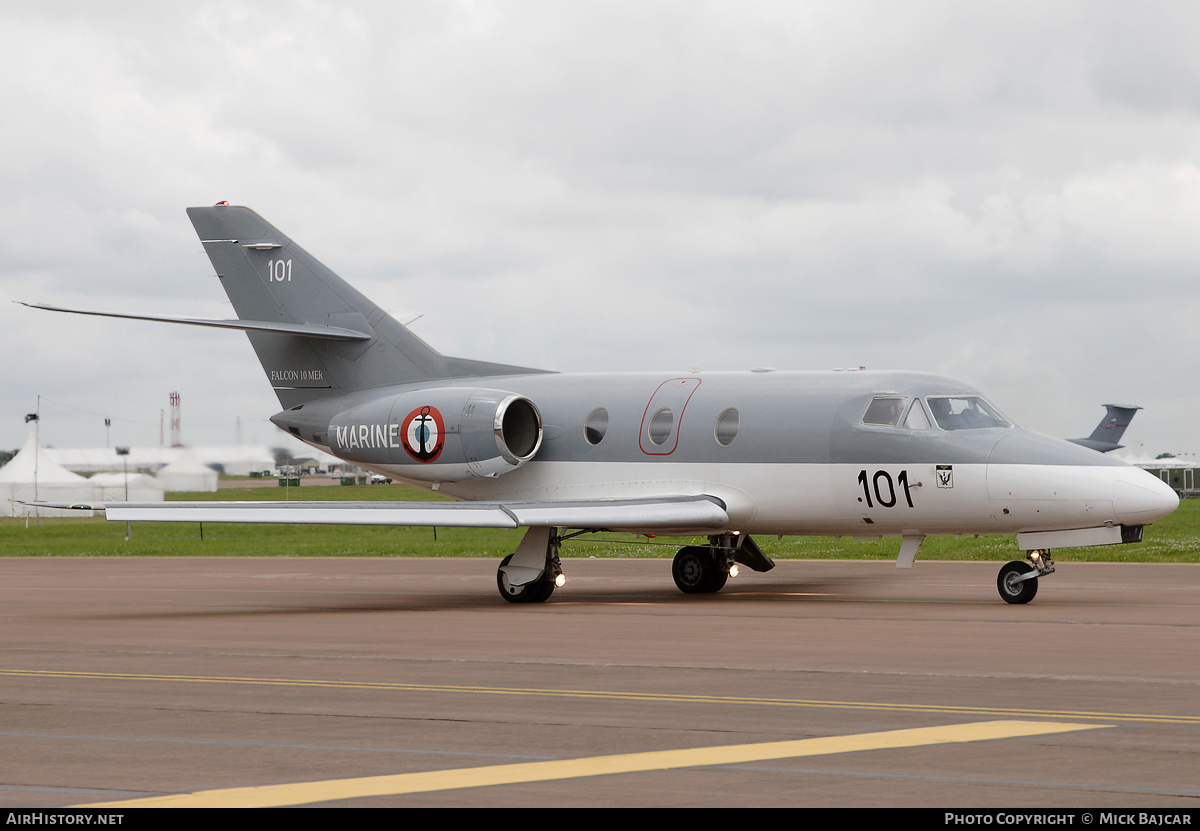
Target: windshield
(964, 412)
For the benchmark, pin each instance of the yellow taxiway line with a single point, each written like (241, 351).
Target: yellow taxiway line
(305, 793)
(613, 695)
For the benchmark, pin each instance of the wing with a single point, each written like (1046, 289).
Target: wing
(678, 514)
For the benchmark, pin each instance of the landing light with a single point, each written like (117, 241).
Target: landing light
(733, 570)
(560, 581)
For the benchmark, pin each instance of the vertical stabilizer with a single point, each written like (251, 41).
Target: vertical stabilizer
(270, 278)
(1108, 433)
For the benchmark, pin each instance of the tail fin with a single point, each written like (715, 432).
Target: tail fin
(1108, 432)
(272, 280)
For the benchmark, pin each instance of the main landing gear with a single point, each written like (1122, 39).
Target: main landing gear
(1018, 581)
(704, 569)
(532, 572)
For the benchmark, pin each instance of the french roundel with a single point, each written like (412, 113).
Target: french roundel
(424, 433)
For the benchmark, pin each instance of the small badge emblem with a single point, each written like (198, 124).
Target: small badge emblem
(945, 476)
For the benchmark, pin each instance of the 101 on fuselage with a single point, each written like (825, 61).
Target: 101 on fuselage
(719, 455)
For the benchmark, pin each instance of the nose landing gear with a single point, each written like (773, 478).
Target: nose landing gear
(1017, 581)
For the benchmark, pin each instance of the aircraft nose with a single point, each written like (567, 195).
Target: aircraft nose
(1141, 497)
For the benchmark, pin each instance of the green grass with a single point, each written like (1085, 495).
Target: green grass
(1175, 539)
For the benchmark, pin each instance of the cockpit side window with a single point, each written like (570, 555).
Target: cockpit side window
(964, 412)
(884, 410)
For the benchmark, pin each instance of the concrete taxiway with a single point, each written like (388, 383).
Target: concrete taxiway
(410, 682)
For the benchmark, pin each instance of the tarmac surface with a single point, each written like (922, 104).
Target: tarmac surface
(398, 682)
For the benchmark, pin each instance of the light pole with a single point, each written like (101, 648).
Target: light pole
(123, 452)
(37, 454)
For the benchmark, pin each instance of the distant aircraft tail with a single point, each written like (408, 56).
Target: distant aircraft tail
(1108, 432)
(314, 334)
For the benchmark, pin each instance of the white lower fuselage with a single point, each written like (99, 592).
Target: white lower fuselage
(842, 499)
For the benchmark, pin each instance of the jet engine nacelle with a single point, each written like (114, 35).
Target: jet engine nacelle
(448, 434)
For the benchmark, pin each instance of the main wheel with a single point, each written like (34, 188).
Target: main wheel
(696, 572)
(535, 592)
(720, 577)
(1012, 589)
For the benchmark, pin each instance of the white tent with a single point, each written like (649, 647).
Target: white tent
(31, 476)
(117, 487)
(186, 473)
(236, 460)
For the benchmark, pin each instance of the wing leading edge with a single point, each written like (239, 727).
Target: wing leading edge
(660, 514)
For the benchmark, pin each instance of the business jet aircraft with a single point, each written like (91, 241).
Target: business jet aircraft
(724, 455)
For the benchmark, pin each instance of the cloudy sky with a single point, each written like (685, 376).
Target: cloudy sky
(1005, 193)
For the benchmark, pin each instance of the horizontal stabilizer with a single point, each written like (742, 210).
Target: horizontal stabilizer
(306, 330)
(675, 513)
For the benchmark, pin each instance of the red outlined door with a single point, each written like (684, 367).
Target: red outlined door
(664, 414)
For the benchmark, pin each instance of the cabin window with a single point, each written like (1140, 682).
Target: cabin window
(884, 410)
(596, 426)
(726, 428)
(660, 426)
(964, 412)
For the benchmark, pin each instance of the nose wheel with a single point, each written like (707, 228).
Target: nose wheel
(1017, 581)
